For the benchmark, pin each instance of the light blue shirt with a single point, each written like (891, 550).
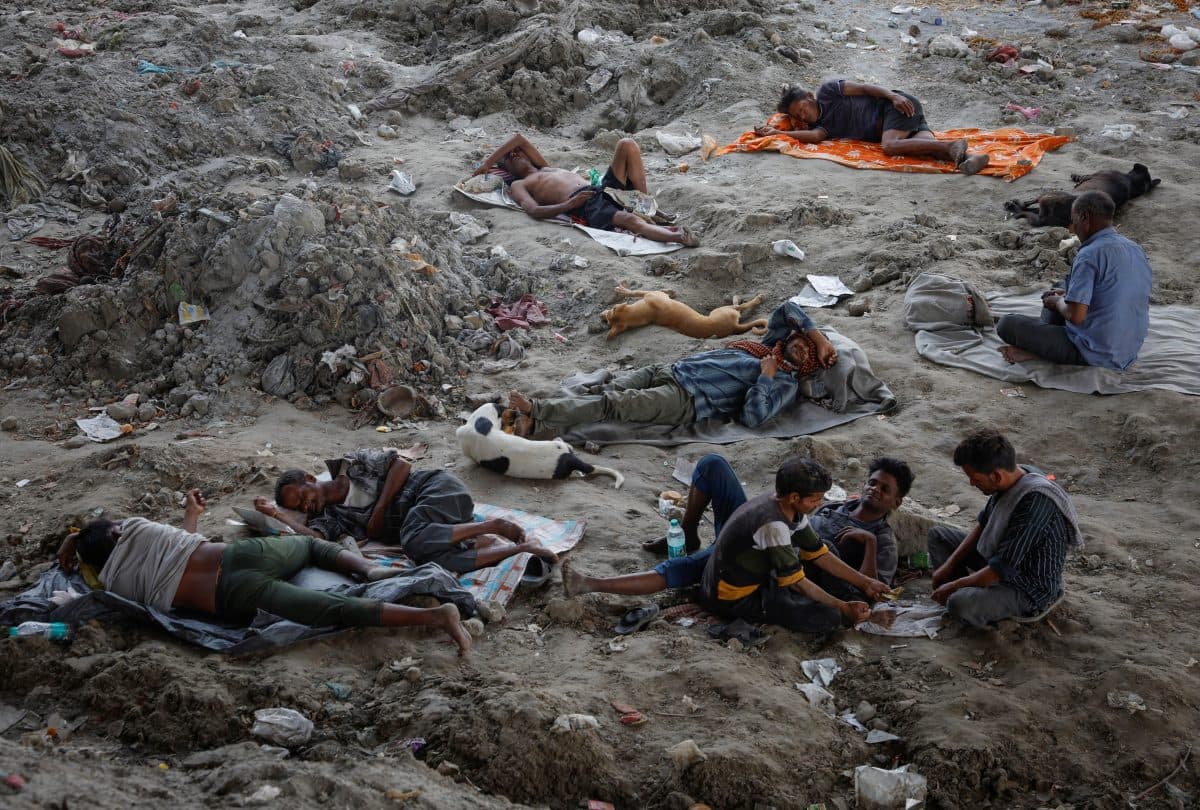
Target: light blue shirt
(1111, 275)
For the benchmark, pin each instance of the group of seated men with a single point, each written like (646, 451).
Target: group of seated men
(784, 557)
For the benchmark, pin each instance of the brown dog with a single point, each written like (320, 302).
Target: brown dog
(659, 307)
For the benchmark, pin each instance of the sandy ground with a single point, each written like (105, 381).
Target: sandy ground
(1017, 717)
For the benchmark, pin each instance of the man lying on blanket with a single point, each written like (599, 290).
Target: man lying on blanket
(376, 495)
(162, 567)
(863, 555)
(545, 191)
(867, 112)
(749, 381)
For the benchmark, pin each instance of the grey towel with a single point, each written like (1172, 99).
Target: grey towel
(997, 525)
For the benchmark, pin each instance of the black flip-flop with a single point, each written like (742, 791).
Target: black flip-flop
(636, 619)
(537, 572)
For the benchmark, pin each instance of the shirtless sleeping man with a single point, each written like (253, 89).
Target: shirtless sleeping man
(544, 191)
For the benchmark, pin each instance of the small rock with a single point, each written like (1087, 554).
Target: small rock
(395, 118)
(9, 424)
(146, 412)
(687, 753)
(448, 768)
(734, 645)
(197, 404)
(1191, 58)
(491, 612)
(474, 627)
(76, 441)
(948, 45)
(386, 132)
(412, 674)
(880, 724)
(122, 412)
(865, 712)
(858, 307)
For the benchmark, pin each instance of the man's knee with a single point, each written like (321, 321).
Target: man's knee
(973, 606)
(627, 147)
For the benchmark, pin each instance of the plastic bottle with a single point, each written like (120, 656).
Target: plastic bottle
(55, 631)
(674, 540)
(594, 177)
(786, 247)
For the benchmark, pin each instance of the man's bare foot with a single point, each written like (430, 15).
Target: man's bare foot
(379, 572)
(574, 583)
(974, 164)
(958, 151)
(520, 403)
(449, 621)
(522, 426)
(507, 529)
(687, 237)
(1015, 355)
(538, 550)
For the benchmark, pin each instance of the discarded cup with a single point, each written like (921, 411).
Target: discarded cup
(402, 183)
(786, 247)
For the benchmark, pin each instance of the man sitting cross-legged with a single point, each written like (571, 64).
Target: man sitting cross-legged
(856, 531)
(1010, 564)
(376, 495)
(162, 567)
(544, 191)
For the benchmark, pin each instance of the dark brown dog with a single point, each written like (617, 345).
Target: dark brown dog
(1055, 208)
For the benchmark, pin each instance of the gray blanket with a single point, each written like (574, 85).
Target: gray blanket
(846, 392)
(1170, 357)
(266, 632)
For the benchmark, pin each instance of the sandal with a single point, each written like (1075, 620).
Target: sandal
(636, 619)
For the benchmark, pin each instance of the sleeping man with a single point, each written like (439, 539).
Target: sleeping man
(163, 568)
(376, 495)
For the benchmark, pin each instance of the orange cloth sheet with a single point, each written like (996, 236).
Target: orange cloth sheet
(1013, 153)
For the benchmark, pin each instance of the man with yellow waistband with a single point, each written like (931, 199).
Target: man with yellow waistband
(756, 571)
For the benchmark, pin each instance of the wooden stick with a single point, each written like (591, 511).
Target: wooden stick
(1182, 761)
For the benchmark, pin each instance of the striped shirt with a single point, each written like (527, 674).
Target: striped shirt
(758, 544)
(1031, 553)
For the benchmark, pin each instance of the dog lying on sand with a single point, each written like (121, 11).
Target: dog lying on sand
(660, 307)
(1055, 208)
(484, 441)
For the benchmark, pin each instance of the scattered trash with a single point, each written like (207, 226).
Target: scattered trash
(526, 312)
(402, 183)
(948, 45)
(286, 727)
(850, 719)
(820, 671)
(1030, 113)
(629, 715)
(1016, 393)
(1003, 54)
(686, 754)
(1130, 701)
(467, 229)
(819, 697)
(691, 705)
(876, 736)
(677, 145)
(880, 789)
(55, 631)
(617, 646)
(574, 722)
(1119, 132)
(598, 80)
(786, 247)
(192, 313)
(821, 291)
(24, 482)
(14, 782)
(103, 428)
(340, 691)
(264, 795)
(905, 621)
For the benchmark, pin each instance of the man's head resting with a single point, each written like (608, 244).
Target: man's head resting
(888, 481)
(801, 484)
(798, 104)
(987, 459)
(516, 162)
(96, 541)
(298, 491)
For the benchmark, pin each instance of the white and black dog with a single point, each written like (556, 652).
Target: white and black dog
(484, 442)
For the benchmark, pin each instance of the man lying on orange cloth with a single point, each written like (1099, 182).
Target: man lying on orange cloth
(867, 112)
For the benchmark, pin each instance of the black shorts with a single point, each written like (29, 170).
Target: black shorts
(894, 119)
(598, 212)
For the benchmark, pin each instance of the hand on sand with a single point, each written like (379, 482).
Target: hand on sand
(766, 132)
(265, 506)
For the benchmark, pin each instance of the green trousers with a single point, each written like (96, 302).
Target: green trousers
(254, 574)
(648, 394)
